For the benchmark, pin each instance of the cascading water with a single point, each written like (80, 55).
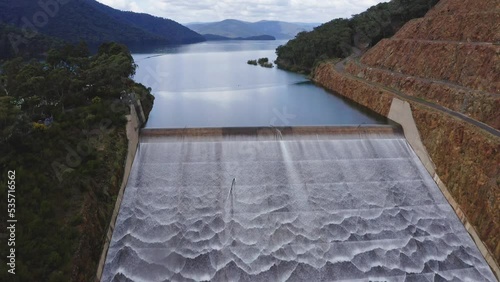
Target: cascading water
(357, 208)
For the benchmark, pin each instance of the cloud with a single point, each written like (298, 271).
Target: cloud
(185, 11)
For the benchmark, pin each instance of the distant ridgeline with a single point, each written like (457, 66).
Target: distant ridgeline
(336, 39)
(214, 37)
(231, 28)
(91, 21)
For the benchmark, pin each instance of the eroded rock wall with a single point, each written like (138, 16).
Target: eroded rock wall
(486, 27)
(472, 65)
(457, 7)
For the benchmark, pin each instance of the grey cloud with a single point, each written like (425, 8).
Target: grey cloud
(216, 10)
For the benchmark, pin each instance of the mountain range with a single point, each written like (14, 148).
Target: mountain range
(235, 28)
(23, 22)
(213, 37)
(93, 22)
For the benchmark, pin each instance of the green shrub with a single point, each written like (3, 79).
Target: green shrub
(96, 100)
(39, 126)
(262, 61)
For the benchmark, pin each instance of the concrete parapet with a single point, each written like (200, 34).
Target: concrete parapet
(132, 127)
(266, 133)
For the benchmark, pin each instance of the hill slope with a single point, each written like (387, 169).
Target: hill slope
(235, 28)
(13, 43)
(93, 22)
(446, 66)
(336, 39)
(176, 32)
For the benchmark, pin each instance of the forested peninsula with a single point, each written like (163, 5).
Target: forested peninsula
(62, 122)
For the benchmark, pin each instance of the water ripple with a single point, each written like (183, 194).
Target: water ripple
(295, 214)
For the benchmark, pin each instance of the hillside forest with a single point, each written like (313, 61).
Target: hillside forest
(337, 38)
(62, 122)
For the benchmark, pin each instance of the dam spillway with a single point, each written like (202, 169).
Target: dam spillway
(283, 204)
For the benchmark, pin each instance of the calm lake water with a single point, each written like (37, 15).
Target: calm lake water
(211, 85)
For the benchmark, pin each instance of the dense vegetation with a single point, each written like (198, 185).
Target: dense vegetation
(62, 130)
(13, 43)
(336, 39)
(263, 62)
(252, 62)
(93, 22)
(173, 32)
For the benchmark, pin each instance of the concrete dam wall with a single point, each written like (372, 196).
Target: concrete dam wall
(286, 204)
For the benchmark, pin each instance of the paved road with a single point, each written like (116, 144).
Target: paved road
(340, 67)
(356, 53)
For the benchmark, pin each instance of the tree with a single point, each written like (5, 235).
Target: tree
(110, 71)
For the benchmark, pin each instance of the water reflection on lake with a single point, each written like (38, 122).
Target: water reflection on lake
(211, 85)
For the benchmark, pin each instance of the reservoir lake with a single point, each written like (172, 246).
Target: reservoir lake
(210, 84)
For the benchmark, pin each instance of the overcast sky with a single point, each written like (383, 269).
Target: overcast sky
(185, 11)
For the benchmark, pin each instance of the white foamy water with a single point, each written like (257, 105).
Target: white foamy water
(345, 209)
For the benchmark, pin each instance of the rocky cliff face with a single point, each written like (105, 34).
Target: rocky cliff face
(449, 58)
